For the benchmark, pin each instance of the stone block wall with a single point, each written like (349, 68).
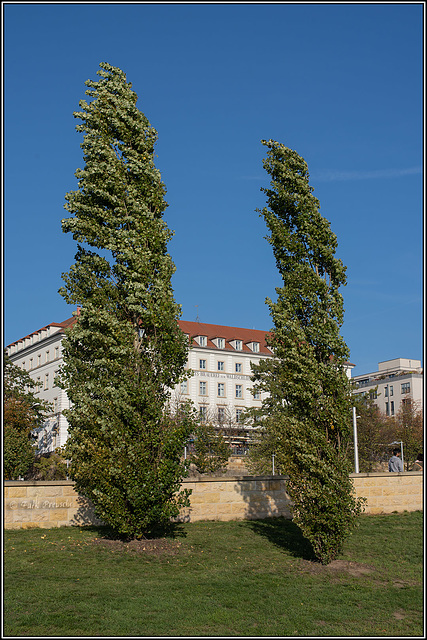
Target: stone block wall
(387, 492)
(45, 504)
(236, 498)
(55, 503)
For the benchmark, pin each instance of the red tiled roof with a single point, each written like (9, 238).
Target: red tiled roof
(212, 331)
(194, 329)
(64, 325)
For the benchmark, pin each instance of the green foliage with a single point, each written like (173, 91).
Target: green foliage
(23, 409)
(126, 350)
(210, 450)
(23, 412)
(374, 432)
(409, 429)
(18, 453)
(307, 413)
(261, 450)
(51, 466)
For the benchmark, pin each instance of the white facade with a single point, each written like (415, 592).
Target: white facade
(219, 358)
(40, 354)
(396, 381)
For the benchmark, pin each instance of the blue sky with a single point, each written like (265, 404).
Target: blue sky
(339, 83)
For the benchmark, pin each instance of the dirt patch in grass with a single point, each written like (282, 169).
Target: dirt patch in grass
(153, 547)
(336, 567)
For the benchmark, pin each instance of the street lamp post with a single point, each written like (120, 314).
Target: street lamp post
(356, 450)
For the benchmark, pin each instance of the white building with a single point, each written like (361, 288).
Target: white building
(396, 382)
(220, 359)
(40, 354)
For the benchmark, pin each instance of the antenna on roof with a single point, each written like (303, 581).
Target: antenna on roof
(197, 316)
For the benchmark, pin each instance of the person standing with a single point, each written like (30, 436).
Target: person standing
(395, 463)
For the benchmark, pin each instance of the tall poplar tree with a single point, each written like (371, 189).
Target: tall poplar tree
(307, 413)
(125, 351)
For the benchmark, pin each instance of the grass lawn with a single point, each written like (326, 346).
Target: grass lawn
(242, 578)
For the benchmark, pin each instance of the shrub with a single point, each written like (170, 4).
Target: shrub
(18, 453)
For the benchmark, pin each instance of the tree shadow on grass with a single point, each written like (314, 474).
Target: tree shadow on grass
(285, 534)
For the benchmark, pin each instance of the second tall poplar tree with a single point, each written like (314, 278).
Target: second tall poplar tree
(126, 350)
(307, 413)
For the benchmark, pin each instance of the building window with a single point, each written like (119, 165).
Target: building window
(184, 386)
(56, 353)
(373, 395)
(47, 356)
(238, 367)
(391, 389)
(31, 364)
(239, 415)
(202, 364)
(221, 389)
(387, 409)
(38, 384)
(221, 414)
(23, 365)
(238, 390)
(406, 387)
(392, 408)
(39, 360)
(255, 347)
(203, 341)
(202, 388)
(220, 366)
(55, 405)
(203, 412)
(386, 392)
(238, 344)
(46, 381)
(257, 395)
(221, 343)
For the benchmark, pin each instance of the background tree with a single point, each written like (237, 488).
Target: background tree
(408, 427)
(375, 431)
(308, 409)
(23, 413)
(210, 451)
(262, 447)
(125, 351)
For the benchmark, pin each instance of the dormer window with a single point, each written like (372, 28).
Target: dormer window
(238, 345)
(202, 340)
(255, 347)
(219, 342)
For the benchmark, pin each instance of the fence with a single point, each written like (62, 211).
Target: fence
(55, 503)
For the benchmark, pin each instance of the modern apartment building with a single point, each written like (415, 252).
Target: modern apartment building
(396, 382)
(219, 358)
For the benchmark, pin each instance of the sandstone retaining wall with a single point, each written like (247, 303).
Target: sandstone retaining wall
(55, 503)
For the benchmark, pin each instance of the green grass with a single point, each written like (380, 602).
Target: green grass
(250, 578)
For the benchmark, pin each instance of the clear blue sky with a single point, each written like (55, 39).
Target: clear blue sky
(339, 83)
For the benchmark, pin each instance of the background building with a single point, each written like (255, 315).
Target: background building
(220, 386)
(396, 382)
(40, 354)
